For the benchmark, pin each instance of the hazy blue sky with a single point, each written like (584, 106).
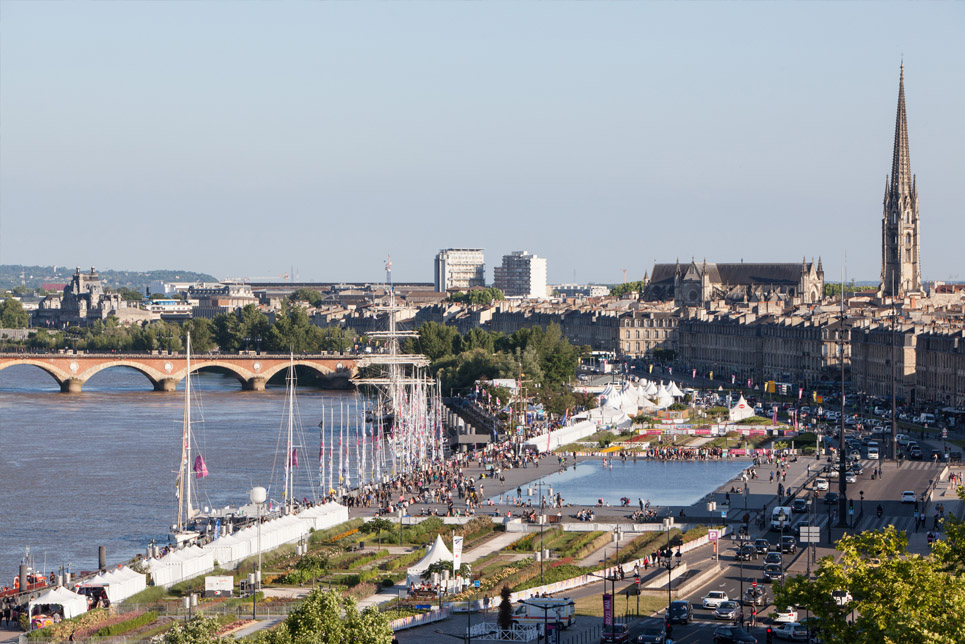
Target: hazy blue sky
(243, 138)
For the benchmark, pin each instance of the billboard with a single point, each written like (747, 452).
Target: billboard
(218, 586)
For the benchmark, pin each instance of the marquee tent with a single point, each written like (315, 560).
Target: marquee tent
(70, 602)
(324, 516)
(741, 410)
(438, 552)
(119, 584)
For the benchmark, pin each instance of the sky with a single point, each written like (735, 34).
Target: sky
(249, 139)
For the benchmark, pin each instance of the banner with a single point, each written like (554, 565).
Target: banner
(800, 392)
(456, 554)
(607, 610)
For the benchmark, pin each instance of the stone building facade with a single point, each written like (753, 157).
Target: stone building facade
(940, 368)
(84, 301)
(872, 352)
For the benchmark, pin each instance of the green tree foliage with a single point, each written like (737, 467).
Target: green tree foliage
(314, 298)
(377, 526)
(202, 334)
(329, 618)
(12, 315)
(129, 294)
(199, 630)
(628, 287)
(478, 296)
(897, 596)
(436, 340)
(834, 289)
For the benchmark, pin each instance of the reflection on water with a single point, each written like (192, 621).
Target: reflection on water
(661, 482)
(98, 468)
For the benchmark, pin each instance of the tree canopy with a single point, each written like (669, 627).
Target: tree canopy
(477, 296)
(329, 618)
(314, 298)
(896, 596)
(12, 314)
(628, 287)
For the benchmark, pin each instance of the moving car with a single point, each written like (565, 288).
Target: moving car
(773, 557)
(786, 616)
(681, 612)
(773, 572)
(746, 553)
(908, 496)
(850, 477)
(618, 634)
(756, 596)
(830, 498)
(762, 545)
(727, 610)
(714, 598)
(733, 635)
(799, 506)
(821, 485)
(652, 631)
(788, 544)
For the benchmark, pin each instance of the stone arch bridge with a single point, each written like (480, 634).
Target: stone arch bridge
(72, 369)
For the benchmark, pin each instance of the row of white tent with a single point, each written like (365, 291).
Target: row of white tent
(643, 396)
(119, 584)
(228, 551)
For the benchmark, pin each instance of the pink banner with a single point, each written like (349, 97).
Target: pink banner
(200, 469)
(608, 610)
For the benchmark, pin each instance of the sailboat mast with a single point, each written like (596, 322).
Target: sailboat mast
(289, 456)
(186, 464)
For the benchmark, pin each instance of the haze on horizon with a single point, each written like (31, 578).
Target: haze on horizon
(243, 139)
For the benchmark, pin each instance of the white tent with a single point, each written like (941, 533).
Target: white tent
(438, 552)
(650, 389)
(741, 410)
(119, 584)
(324, 516)
(71, 603)
(675, 390)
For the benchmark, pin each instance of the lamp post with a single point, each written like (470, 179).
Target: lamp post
(670, 562)
(257, 496)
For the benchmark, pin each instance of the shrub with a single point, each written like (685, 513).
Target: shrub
(127, 625)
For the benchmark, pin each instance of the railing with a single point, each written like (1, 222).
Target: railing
(194, 356)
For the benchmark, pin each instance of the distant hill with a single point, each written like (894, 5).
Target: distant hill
(35, 276)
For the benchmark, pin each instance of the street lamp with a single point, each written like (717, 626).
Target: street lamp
(257, 496)
(670, 561)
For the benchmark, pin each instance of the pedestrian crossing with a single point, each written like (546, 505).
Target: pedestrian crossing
(870, 522)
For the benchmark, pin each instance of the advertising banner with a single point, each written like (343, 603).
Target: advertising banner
(607, 610)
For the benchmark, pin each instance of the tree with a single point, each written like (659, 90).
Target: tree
(130, 294)
(377, 525)
(330, 618)
(202, 334)
(505, 618)
(199, 630)
(896, 596)
(312, 565)
(314, 298)
(12, 315)
(628, 287)
(436, 340)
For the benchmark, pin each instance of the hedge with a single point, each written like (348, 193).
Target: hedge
(128, 625)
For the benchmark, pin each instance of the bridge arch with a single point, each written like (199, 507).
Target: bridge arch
(59, 375)
(243, 375)
(153, 375)
(322, 370)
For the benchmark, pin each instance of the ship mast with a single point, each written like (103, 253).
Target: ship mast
(185, 511)
(289, 455)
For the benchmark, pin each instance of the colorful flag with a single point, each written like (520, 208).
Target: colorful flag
(711, 375)
(670, 369)
(651, 368)
(733, 377)
(200, 469)
(694, 375)
(800, 392)
(293, 461)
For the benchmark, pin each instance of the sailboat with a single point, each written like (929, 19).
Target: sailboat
(182, 531)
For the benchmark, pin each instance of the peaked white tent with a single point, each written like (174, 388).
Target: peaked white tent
(71, 603)
(675, 390)
(741, 410)
(438, 552)
(119, 584)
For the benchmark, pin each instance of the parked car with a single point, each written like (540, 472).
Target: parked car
(762, 545)
(908, 496)
(733, 635)
(799, 505)
(681, 612)
(714, 598)
(773, 572)
(619, 633)
(788, 545)
(727, 610)
(652, 631)
(786, 616)
(791, 631)
(841, 597)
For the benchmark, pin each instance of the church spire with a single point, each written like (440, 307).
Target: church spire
(901, 179)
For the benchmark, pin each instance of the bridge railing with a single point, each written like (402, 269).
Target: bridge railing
(194, 356)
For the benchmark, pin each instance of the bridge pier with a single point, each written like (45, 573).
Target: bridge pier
(71, 386)
(254, 384)
(166, 384)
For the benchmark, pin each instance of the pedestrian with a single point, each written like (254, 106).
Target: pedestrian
(754, 616)
(772, 478)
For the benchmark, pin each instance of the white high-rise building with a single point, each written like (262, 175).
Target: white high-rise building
(460, 268)
(522, 275)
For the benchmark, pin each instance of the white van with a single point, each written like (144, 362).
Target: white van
(872, 453)
(781, 517)
(927, 419)
(561, 610)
